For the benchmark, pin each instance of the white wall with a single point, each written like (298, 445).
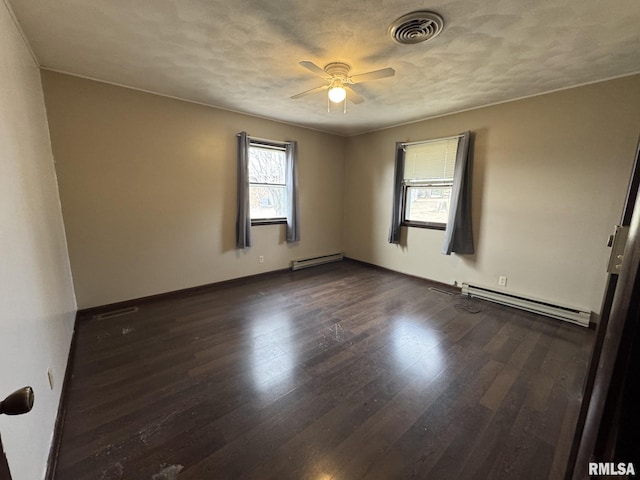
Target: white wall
(148, 190)
(36, 293)
(549, 183)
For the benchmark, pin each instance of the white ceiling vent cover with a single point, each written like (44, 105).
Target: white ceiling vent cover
(416, 27)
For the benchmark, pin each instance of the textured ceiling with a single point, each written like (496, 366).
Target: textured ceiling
(243, 54)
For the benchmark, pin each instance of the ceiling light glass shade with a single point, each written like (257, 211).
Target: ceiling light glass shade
(337, 94)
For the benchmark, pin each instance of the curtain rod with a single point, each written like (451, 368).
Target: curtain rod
(432, 140)
(266, 140)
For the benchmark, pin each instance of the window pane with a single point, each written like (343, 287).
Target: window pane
(427, 204)
(268, 201)
(266, 165)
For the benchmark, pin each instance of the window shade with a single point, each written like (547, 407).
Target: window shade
(435, 160)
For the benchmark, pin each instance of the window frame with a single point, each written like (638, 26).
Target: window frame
(273, 145)
(406, 185)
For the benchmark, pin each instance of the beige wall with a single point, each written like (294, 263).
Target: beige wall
(148, 190)
(550, 178)
(36, 293)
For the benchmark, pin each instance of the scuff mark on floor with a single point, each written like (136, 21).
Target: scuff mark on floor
(128, 330)
(150, 430)
(114, 471)
(169, 472)
(102, 335)
(339, 331)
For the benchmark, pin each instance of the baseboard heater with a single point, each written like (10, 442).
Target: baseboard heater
(312, 262)
(115, 313)
(560, 312)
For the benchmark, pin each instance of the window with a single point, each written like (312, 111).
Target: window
(267, 187)
(267, 183)
(427, 182)
(432, 189)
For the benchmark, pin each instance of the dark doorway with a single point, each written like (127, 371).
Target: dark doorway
(5, 474)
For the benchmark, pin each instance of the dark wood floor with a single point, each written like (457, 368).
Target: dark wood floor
(337, 372)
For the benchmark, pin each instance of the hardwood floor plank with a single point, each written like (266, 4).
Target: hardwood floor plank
(449, 464)
(496, 438)
(494, 396)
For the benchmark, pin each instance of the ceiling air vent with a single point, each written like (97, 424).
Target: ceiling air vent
(416, 27)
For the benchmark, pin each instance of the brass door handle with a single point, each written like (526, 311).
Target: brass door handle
(19, 402)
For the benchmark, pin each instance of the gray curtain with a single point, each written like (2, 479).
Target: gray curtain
(293, 206)
(458, 237)
(396, 213)
(243, 221)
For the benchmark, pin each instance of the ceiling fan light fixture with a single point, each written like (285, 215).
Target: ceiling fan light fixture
(337, 81)
(337, 94)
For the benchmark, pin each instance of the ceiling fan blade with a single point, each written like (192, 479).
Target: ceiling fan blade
(353, 96)
(309, 92)
(312, 67)
(376, 74)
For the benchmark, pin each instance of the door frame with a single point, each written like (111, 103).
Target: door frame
(609, 420)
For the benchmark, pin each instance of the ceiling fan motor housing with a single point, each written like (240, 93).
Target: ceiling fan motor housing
(337, 69)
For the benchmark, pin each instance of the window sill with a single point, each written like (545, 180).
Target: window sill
(430, 226)
(268, 221)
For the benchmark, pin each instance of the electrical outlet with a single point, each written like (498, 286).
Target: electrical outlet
(502, 281)
(50, 376)
(260, 259)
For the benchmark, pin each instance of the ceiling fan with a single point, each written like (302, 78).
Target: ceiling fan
(338, 81)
